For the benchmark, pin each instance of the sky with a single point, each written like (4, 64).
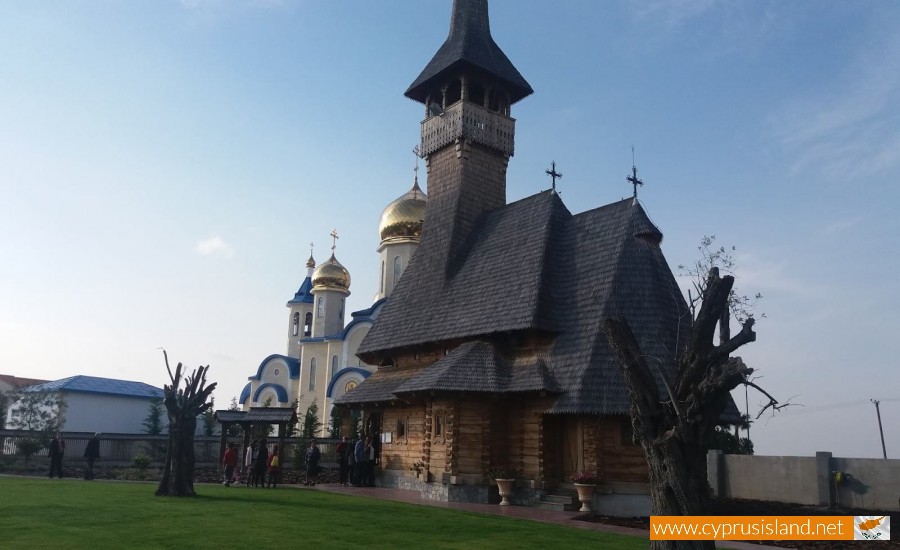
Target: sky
(164, 167)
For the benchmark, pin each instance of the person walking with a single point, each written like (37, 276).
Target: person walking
(274, 466)
(92, 453)
(313, 455)
(57, 450)
(229, 461)
(250, 463)
(262, 464)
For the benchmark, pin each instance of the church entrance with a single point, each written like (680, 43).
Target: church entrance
(563, 448)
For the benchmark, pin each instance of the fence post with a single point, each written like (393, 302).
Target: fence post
(714, 472)
(823, 477)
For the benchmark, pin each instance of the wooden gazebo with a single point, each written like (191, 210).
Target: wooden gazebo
(256, 416)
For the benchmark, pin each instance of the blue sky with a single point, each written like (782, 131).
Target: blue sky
(164, 165)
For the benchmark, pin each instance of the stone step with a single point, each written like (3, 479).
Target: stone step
(559, 502)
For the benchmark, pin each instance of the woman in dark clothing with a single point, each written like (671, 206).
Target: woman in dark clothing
(92, 453)
(262, 463)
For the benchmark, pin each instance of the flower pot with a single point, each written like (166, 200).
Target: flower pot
(506, 487)
(585, 492)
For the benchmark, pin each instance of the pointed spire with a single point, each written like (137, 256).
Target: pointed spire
(311, 262)
(469, 44)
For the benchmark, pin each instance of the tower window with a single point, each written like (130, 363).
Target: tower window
(334, 364)
(312, 374)
(398, 269)
(295, 325)
(307, 324)
(382, 277)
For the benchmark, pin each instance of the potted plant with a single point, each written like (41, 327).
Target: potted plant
(506, 481)
(585, 482)
(419, 467)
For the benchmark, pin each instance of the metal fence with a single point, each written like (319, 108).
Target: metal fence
(122, 448)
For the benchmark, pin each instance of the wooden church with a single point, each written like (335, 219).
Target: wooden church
(491, 351)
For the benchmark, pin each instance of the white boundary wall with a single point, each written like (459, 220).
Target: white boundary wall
(865, 483)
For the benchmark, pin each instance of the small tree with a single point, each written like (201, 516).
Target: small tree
(38, 413)
(153, 424)
(336, 423)
(292, 425)
(209, 419)
(311, 424)
(234, 430)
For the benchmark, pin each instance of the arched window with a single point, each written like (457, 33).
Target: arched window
(334, 364)
(307, 324)
(312, 374)
(397, 269)
(382, 277)
(295, 325)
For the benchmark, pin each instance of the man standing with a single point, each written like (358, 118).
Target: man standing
(262, 463)
(92, 453)
(57, 450)
(359, 458)
(343, 453)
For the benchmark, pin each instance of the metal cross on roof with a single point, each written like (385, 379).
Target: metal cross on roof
(311, 246)
(633, 179)
(417, 152)
(553, 174)
(334, 238)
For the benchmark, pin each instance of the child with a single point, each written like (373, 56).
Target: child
(274, 466)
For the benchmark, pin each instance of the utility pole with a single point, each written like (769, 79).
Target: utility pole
(880, 430)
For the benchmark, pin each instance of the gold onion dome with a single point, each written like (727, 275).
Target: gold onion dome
(331, 274)
(402, 218)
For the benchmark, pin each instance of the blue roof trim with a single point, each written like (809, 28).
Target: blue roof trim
(279, 391)
(245, 393)
(102, 386)
(368, 312)
(363, 372)
(292, 363)
(303, 294)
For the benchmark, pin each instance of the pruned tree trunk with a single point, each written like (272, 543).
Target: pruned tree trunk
(673, 429)
(183, 407)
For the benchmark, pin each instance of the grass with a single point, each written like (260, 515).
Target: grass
(44, 513)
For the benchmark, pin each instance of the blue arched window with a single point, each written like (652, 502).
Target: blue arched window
(307, 324)
(334, 364)
(295, 325)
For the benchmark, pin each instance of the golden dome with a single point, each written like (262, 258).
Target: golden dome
(331, 274)
(402, 219)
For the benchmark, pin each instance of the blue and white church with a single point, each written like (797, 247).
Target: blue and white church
(320, 362)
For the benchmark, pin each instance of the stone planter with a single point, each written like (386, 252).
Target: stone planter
(585, 493)
(506, 487)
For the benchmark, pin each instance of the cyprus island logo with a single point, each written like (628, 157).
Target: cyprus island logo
(872, 528)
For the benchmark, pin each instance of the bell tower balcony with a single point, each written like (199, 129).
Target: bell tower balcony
(466, 120)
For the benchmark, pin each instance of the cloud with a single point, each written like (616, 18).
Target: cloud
(673, 13)
(852, 131)
(214, 246)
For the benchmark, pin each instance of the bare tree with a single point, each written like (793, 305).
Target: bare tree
(183, 406)
(673, 429)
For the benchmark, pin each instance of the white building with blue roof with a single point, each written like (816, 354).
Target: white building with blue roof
(320, 363)
(94, 404)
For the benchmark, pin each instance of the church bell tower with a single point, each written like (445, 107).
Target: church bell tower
(468, 134)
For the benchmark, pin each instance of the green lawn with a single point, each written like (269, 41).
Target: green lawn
(72, 513)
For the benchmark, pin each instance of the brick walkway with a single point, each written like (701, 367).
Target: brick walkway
(521, 512)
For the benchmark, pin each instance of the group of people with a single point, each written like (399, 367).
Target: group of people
(58, 451)
(356, 462)
(261, 468)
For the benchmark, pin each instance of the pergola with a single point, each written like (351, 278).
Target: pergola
(256, 416)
